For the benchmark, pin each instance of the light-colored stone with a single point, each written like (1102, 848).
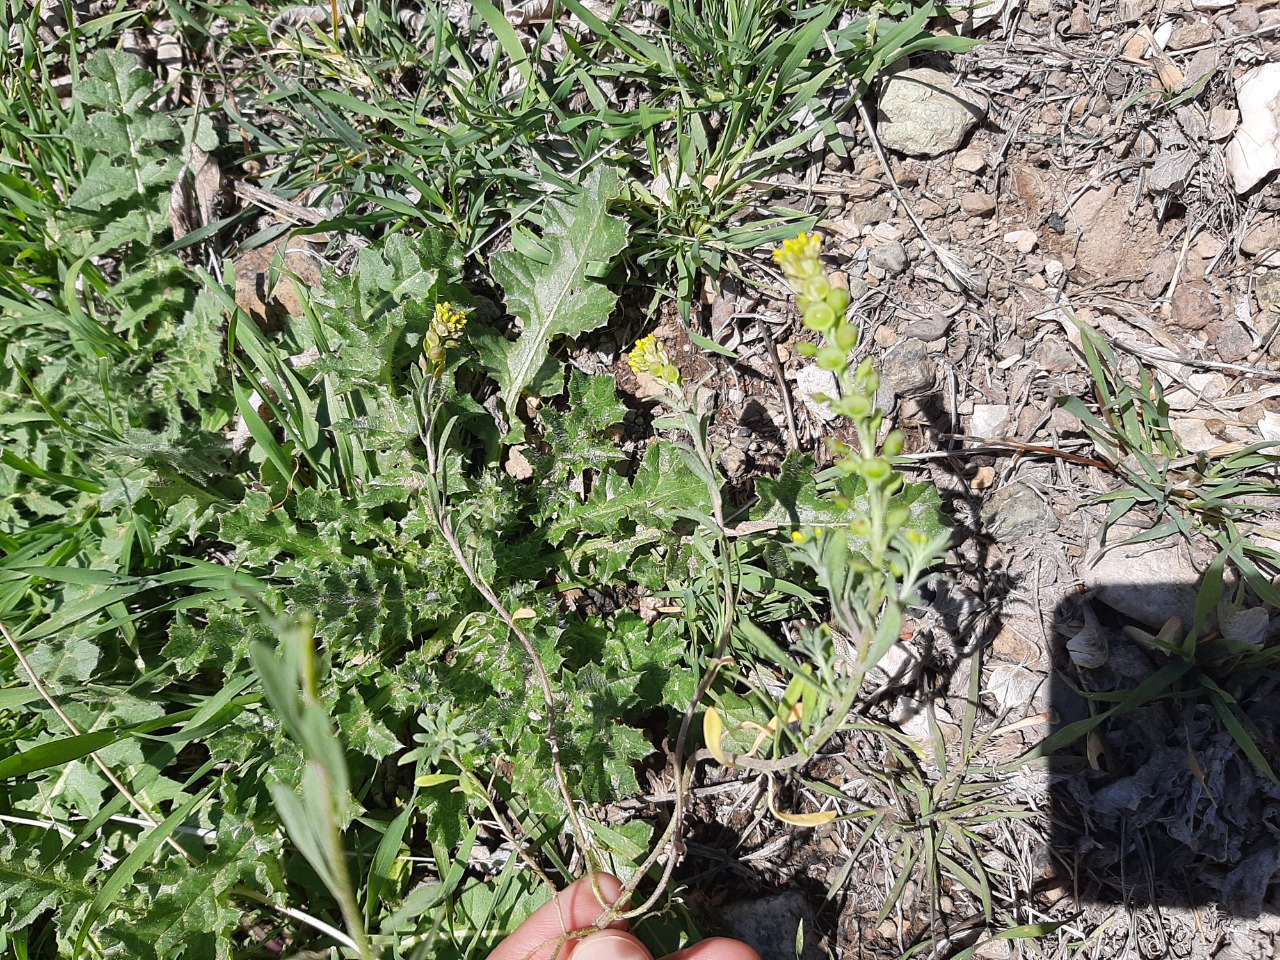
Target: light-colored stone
(969, 160)
(989, 420)
(1149, 582)
(923, 113)
(977, 204)
(1254, 151)
(1014, 687)
(811, 380)
(1193, 434)
(733, 461)
(1024, 241)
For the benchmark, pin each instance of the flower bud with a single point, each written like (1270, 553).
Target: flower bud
(832, 358)
(897, 518)
(819, 317)
(838, 300)
(876, 469)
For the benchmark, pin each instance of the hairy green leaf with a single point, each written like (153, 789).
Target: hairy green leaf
(549, 286)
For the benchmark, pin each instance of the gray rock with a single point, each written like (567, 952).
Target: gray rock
(769, 926)
(868, 213)
(1148, 583)
(890, 257)
(1232, 341)
(733, 461)
(930, 327)
(922, 113)
(907, 370)
(1017, 511)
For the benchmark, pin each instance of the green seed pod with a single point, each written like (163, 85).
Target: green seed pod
(815, 288)
(897, 518)
(671, 373)
(838, 300)
(819, 317)
(858, 406)
(806, 349)
(893, 443)
(876, 469)
(871, 382)
(859, 527)
(845, 336)
(832, 358)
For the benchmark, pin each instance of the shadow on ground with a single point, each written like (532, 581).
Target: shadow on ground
(1166, 802)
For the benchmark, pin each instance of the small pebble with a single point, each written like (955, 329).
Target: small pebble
(969, 160)
(977, 204)
(1023, 240)
(890, 257)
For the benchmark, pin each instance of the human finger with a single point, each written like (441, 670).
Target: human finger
(717, 948)
(573, 908)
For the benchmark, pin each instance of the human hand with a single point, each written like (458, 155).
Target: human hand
(535, 939)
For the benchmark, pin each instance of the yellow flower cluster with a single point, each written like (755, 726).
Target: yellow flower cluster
(649, 356)
(822, 303)
(446, 326)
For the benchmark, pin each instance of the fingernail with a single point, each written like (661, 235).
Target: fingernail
(609, 946)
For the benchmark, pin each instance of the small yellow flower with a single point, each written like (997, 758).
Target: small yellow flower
(446, 326)
(798, 257)
(448, 321)
(649, 356)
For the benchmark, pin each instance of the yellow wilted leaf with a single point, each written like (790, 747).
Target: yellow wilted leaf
(713, 734)
(799, 819)
(434, 779)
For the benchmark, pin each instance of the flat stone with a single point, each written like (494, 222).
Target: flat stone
(1254, 152)
(1017, 511)
(928, 328)
(870, 212)
(1262, 236)
(1015, 687)
(1144, 581)
(1024, 241)
(1053, 355)
(969, 160)
(978, 204)
(1267, 289)
(1190, 35)
(923, 113)
(733, 461)
(989, 420)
